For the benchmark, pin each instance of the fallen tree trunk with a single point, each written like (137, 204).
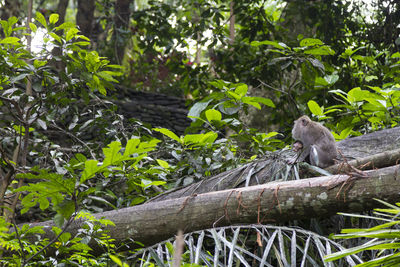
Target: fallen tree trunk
(274, 202)
(380, 149)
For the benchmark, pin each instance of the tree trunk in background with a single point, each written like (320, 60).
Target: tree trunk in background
(10, 8)
(61, 10)
(121, 24)
(232, 24)
(84, 16)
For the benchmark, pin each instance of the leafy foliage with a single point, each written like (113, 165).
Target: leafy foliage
(65, 151)
(247, 245)
(382, 238)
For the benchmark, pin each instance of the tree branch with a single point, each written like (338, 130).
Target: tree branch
(275, 202)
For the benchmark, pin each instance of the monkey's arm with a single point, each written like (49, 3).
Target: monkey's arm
(301, 155)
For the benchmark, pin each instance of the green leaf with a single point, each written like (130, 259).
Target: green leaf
(320, 51)
(168, 133)
(331, 79)
(106, 76)
(64, 237)
(266, 101)
(41, 19)
(111, 153)
(56, 37)
(89, 171)
(71, 33)
(310, 42)
(212, 114)
(371, 77)
(9, 40)
(131, 146)
(321, 81)
(315, 108)
(233, 95)
(249, 101)
(200, 139)
(198, 107)
(241, 90)
(39, 63)
(33, 27)
(163, 163)
(279, 45)
(66, 208)
(43, 203)
(396, 55)
(116, 260)
(53, 18)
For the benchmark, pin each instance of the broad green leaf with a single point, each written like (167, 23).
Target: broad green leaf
(321, 81)
(209, 137)
(65, 26)
(106, 76)
(200, 139)
(315, 108)
(116, 260)
(53, 18)
(71, 33)
(249, 101)
(56, 37)
(163, 163)
(12, 20)
(310, 42)
(137, 200)
(357, 94)
(266, 101)
(212, 114)
(39, 63)
(41, 19)
(64, 237)
(220, 84)
(331, 79)
(33, 27)
(233, 95)
(395, 55)
(43, 203)
(90, 170)
(279, 45)
(271, 134)
(66, 208)
(320, 51)
(198, 107)
(193, 139)
(112, 153)
(9, 40)
(371, 77)
(345, 133)
(131, 146)
(168, 133)
(241, 90)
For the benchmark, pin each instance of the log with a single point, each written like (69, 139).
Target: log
(274, 165)
(274, 202)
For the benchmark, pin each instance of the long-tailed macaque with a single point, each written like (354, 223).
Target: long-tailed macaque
(313, 140)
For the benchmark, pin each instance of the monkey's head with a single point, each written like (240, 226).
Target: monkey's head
(299, 127)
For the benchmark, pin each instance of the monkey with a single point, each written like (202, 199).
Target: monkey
(297, 146)
(315, 141)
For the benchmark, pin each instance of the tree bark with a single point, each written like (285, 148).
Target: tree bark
(121, 22)
(275, 202)
(61, 10)
(84, 16)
